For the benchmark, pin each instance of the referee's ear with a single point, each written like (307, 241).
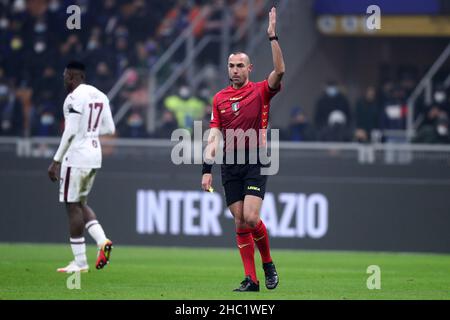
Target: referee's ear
(250, 68)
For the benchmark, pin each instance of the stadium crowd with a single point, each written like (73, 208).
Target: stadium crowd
(119, 35)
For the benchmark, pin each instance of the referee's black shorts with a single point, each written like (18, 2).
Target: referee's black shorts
(240, 180)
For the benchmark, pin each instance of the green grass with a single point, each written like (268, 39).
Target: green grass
(28, 272)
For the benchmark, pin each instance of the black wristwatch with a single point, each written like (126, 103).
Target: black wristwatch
(273, 38)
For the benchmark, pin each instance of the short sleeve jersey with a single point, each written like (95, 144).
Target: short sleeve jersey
(243, 114)
(93, 107)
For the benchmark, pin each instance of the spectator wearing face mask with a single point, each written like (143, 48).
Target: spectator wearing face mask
(134, 126)
(442, 129)
(437, 133)
(46, 123)
(331, 100)
(429, 114)
(46, 112)
(441, 100)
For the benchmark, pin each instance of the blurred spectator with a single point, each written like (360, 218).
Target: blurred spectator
(103, 78)
(394, 111)
(24, 94)
(332, 114)
(71, 49)
(177, 19)
(122, 53)
(331, 100)
(107, 15)
(186, 107)
(437, 133)
(386, 91)
(206, 96)
(11, 116)
(134, 15)
(48, 85)
(96, 51)
(300, 129)
(143, 58)
(241, 10)
(134, 126)
(408, 83)
(116, 36)
(337, 128)
(367, 116)
(207, 118)
(441, 99)
(439, 109)
(47, 111)
(428, 115)
(166, 126)
(45, 121)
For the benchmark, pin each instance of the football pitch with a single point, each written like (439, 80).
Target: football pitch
(28, 271)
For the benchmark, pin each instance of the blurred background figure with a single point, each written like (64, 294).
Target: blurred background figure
(332, 113)
(435, 131)
(103, 78)
(299, 129)
(367, 115)
(394, 113)
(186, 107)
(167, 125)
(11, 115)
(337, 128)
(134, 124)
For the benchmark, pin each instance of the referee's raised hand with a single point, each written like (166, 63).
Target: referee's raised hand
(271, 31)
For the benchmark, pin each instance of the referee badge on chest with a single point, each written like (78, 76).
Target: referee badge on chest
(235, 107)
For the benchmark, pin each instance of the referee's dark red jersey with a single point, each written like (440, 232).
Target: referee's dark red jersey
(245, 108)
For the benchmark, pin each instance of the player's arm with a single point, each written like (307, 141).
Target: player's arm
(276, 75)
(108, 126)
(71, 128)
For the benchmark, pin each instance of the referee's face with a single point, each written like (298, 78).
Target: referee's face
(239, 68)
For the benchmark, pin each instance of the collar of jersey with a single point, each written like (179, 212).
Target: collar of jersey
(241, 87)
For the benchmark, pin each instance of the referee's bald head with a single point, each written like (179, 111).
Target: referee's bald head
(241, 55)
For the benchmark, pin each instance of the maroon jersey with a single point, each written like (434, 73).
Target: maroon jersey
(247, 109)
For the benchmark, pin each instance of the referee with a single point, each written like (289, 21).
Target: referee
(243, 109)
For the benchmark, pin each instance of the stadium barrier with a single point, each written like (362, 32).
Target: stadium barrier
(325, 196)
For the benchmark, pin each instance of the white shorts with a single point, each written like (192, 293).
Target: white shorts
(75, 184)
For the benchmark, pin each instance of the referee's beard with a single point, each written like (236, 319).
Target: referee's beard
(238, 82)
